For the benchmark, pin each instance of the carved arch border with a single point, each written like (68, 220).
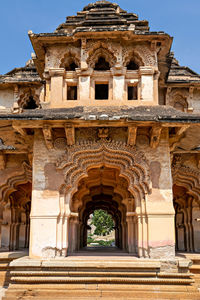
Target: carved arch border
(26, 94)
(131, 163)
(101, 49)
(189, 179)
(23, 176)
(71, 53)
(183, 94)
(142, 53)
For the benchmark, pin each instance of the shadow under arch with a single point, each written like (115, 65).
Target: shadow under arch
(186, 199)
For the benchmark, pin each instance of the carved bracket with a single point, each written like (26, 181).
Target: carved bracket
(70, 134)
(47, 131)
(132, 135)
(2, 161)
(19, 129)
(155, 136)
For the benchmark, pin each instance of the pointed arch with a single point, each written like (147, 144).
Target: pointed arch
(142, 55)
(130, 162)
(29, 95)
(187, 178)
(101, 50)
(72, 56)
(23, 176)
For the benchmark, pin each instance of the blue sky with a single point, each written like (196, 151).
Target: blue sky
(179, 18)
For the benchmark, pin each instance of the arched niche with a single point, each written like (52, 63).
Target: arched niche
(186, 195)
(71, 60)
(102, 64)
(101, 58)
(29, 99)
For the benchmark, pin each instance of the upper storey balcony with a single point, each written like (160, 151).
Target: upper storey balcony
(103, 76)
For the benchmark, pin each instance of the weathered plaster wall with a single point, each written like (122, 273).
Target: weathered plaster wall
(195, 102)
(45, 201)
(157, 211)
(6, 98)
(159, 204)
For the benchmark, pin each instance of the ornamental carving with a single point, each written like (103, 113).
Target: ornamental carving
(178, 98)
(60, 143)
(71, 55)
(142, 55)
(114, 48)
(26, 95)
(56, 55)
(131, 163)
(90, 134)
(101, 49)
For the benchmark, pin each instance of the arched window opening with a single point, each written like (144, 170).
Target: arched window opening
(132, 65)
(102, 65)
(180, 103)
(30, 104)
(100, 229)
(71, 67)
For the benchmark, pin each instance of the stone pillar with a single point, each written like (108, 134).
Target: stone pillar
(45, 201)
(155, 85)
(16, 97)
(22, 231)
(118, 73)
(155, 212)
(130, 217)
(158, 206)
(161, 230)
(147, 84)
(84, 83)
(56, 95)
(5, 228)
(124, 236)
(73, 234)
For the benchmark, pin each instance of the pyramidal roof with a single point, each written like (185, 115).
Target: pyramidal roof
(103, 15)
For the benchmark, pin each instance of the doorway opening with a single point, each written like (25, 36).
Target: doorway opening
(101, 229)
(105, 192)
(15, 228)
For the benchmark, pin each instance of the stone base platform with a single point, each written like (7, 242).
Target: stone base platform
(100, 277)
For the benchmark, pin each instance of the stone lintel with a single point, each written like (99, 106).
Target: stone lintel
(146, 70)
(57, 72)
(84, 72)
(118, 71)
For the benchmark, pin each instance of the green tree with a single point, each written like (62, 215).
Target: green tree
(103, 222)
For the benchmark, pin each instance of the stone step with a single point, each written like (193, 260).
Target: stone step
(94, 278)
(195, 268)
(100, 291)
(90, 273)
(55, 279)
(27, 295)
(101, 286)
(94, 273)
